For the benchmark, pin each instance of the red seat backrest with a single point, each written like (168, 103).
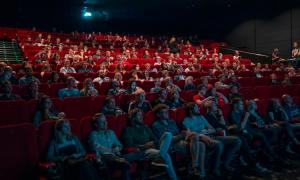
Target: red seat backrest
(77, 107)
(12, 112)
(19, 151)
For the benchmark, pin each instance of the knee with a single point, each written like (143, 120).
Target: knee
(168, 135)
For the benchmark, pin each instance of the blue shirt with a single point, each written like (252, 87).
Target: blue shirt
(106, 139)
(159, 128)
(67, 92)
(292, 111)
(196, 124)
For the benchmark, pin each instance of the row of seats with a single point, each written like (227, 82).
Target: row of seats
(22, 158)
(14, 112)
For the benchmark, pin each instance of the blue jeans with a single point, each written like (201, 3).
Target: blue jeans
(164, 144)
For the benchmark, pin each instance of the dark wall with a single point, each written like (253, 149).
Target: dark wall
(272, 25)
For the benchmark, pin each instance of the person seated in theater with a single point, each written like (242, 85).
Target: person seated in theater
(286, 80)
(139, 102)
(28, 78)
(277, 115)
(134, 76)
(233, 81)
(110, 107)
(201, 97)
(66, 150)
(273, 130)
(132, 87)
(54, 78)
(89, 89)
(266, 68)
(221, 83)
(276, 56)
(33, 91)
(67, 68)
(258, 71)
(196, 123)
(8, 75)
(291, 108)
(162, 98)
(204, 82)
(189, 84)
(118, 77)
(140, 136)
(7, 93)
(164, 75)
(115, 88)
(216, 118)
(85, 68)
(170, 86)
(46, 111)
(239, 120)
(174, 100)
(157, 86)
(234, 94)
(219, 98)
(184, 142)
(179, 75)
(105, 144)
(236, 55)
(102, 77)
(70, 90)
(274, 79)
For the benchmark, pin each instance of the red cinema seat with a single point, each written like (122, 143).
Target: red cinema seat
(57, 104)
(125, 99)
(180, 115)
(12, 112)
(262, 106)
(149, 118)
(247, 92)
(103, 88)
(147, 85)
(226, 111)
(188, 95)
(77, 107)
(19, 152)
(262, 92)
(97, 103)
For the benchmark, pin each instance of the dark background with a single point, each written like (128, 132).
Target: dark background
(257, 25)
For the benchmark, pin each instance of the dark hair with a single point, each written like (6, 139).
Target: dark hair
(157, 109)
(131, 116)
(94, 120)
(108, 99)
(189, 108)
(53, 73)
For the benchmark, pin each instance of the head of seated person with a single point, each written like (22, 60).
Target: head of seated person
(110, 107)
(89, 89)
(7, 92)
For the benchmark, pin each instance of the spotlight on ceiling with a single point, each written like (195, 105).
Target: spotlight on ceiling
(86, 13)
